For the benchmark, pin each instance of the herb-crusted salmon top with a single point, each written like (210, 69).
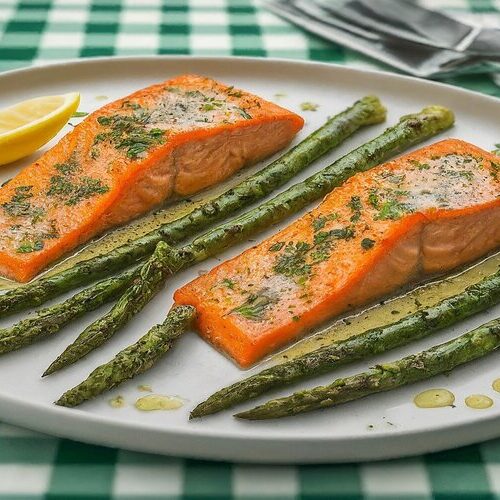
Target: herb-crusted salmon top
(423, 213)
(131, 155)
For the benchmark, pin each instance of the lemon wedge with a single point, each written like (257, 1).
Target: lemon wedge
(30, 124)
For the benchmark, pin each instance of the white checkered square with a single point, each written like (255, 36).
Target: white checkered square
(163, 480)
(148, 16)
(19, 479)
(68, 15)
(51, 40)
(254, 481)
(216, 18)
(394, 479)
(204, 42)
(149, 41)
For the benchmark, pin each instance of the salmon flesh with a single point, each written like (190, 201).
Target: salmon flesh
(171, 139)
(422, 214)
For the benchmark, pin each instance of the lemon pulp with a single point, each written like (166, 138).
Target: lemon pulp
(28, 125)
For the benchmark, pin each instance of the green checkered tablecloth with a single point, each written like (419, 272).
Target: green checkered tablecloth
(34, 466)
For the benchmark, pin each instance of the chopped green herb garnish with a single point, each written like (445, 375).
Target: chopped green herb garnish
(68, 167)
(129, 132)
(207, 107)
(496, 170)
(321, 251)
(309, 106)
(243, 113)
(234, 93)
(104, 120)
(298, 259)
(392, 177)
(321, 236)
(465, 174)
(59, 186)
(211, 104)
(373, 199)
(355, 206)
(276, 247)
(20, 206)
(319, 223)
(254, 307)
(30, 246)
(367, 243)
(344, 233)
(420, 166)
(79, 114)
(292, 262)
(70, 187)
(87, 188)
(228, 283)
(393, 210)
(195, 93)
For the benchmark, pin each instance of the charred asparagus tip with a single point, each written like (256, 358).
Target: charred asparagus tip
(134, 359)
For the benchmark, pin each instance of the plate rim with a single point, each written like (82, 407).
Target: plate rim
(47, 64)
(78, 417)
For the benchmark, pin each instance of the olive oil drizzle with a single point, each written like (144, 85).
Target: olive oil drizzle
(153, 402)
(478, 401)
(496, 385)
(434, 398)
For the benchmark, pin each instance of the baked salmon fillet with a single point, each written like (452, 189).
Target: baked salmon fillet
(422, 214)
(171, 139)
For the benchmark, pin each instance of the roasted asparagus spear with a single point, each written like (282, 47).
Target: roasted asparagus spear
(426, 364)
(133, 360)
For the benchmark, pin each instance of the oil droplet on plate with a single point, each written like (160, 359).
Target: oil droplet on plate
(434, 398)
(117, 402)
(478, 401)
(496, 385)
(145, 388)
(153, 402)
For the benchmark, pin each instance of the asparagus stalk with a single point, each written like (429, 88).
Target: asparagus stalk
(50, 320)
(151, 276)
(426, 364)
(133, 360)
(410, 130)
(364, 112)
(473, 299)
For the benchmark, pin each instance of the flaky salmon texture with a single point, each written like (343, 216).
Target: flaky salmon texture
(422, 214)
(171, 139)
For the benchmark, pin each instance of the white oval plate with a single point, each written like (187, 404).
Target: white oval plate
(382, 426)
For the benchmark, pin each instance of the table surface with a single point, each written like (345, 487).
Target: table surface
(35, 466)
